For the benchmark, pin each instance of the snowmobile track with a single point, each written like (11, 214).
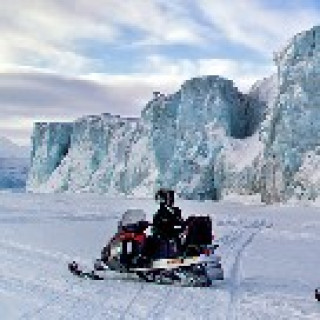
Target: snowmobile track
(235, 278)
(131, 303)
(52, 293)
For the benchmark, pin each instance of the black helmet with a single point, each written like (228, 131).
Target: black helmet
(165, 196)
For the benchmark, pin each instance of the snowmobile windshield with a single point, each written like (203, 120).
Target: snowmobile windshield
(132, 216)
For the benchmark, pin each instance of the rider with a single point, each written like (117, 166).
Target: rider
(167, 223)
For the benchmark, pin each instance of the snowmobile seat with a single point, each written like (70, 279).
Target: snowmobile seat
(166, 249)
(158, 248)
(199, 231)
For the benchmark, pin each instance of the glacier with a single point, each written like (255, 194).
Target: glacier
(291, 132)
(205, 141)
(14, 163)
(174, 144)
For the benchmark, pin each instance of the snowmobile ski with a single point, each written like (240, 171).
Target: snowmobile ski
(77, 271)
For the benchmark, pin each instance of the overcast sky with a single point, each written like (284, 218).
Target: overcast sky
(61, 59)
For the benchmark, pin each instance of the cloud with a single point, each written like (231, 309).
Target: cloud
(50, 34)
(47, 33)
(253, 24)
(61, 35)
(62, 59)
(42, 34)
(243, 73)
(29, 96)
(52, 95)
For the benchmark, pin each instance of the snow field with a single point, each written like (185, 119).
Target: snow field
(270, 256)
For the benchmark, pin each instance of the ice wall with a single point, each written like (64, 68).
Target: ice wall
(173, 144)
(204, 141)
(293, 128)
(238, 165)
(210, 111)
(50, 143)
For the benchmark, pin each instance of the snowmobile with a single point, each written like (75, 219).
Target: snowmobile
(191, 261)
(317, 294)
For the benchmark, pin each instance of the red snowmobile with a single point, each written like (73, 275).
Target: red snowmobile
(317, 294)
(192, 261)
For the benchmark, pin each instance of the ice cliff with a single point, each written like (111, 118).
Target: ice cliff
(204, 141)
(174, 143)
(291, 132)
(14, 161)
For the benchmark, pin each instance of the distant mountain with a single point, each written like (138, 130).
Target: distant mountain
(14, 163)
(10, 150)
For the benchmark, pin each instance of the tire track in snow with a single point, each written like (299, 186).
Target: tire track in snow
(77, 302)
(27, 252)
(75, 294)
(51, 293)
(235, 278)
(161, 304)
(129, 306)
(32, 288)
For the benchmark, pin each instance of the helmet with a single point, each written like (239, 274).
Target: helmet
(165, 196)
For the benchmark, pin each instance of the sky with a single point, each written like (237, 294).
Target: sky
(62, 59)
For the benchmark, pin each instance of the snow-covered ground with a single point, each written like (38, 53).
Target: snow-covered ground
(270, 254)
